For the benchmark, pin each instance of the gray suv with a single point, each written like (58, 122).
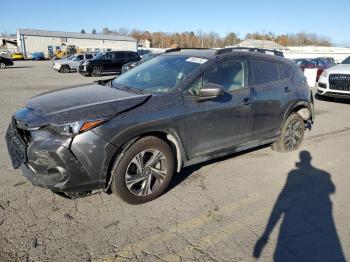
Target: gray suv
(132, 134)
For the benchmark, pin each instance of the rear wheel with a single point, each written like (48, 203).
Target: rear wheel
(65, 69)
(292, 134)
(2, 66)
(96, 71)
(144, 172)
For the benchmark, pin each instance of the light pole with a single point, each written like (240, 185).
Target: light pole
(263, 37)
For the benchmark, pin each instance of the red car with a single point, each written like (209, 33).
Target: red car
(320, 64)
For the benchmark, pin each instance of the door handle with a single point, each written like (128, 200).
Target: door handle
(248, 101)
(287, 89)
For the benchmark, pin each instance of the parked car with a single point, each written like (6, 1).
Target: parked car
(107, 62)
(38, 56)
(131, 65)
(335, 81)
(329, 60)
(5, 61)
(320, 64)
(4, 53)
(175, 110)
(143, 52)
(71, 63)
(17, 56)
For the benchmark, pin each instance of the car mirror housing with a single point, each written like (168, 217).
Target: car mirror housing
(211, 90)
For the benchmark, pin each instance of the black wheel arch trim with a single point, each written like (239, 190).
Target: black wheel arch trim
(170, 135)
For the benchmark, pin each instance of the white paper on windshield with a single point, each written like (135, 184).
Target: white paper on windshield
(196, 60)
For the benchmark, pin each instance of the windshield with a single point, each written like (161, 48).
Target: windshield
(147, 57)
(99, 56)
(143, 52)
(160, 74)
(346, 61)
(70, 57)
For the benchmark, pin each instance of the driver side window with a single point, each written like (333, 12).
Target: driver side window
(230, 74)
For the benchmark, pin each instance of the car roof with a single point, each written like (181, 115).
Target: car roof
(212, 53)
(201, 53)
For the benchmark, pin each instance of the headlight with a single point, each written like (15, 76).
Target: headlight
(75, 128)
(324, 74)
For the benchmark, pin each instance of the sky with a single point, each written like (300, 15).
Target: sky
(326, 18)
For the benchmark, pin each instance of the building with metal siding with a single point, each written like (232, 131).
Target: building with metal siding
(30, 40)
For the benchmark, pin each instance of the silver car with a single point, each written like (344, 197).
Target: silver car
(71, 63)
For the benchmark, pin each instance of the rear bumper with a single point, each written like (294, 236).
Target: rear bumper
(61, 164)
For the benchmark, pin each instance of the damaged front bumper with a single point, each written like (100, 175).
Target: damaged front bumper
(62, 164)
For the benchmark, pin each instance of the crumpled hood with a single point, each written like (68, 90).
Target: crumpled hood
(339, 69)
(81, 103)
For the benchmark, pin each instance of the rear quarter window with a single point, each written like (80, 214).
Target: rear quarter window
(264, 71)
(286, 70)
(298, 75)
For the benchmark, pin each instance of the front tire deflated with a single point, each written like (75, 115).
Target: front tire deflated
(144, 172)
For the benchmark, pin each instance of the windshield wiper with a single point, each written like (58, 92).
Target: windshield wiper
(128, 88)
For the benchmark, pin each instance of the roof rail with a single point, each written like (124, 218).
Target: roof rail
(185, 48)
(251, 49)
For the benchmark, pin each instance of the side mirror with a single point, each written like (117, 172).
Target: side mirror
(211, 91)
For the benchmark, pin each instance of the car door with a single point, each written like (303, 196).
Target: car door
(271, 89)
(119, 60)
(75, 62)
(218, 123)
(108, 62)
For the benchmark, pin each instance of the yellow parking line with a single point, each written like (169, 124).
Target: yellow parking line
(213, 238)
(129, 250)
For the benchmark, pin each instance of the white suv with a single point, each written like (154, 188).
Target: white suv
(335, 81)
(71, 63)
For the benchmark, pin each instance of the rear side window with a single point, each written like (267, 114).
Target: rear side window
(88, 56)
(120, 55)
(288, 69)
(133, 55)
(264, 71)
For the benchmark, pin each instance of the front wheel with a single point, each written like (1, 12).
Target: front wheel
(96, 71)
(65, 69)
(144, 172)
(292, 134)
(2, 66)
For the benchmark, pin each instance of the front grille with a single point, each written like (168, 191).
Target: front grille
(339, 82)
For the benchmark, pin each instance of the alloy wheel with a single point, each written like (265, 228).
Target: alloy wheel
(293, 134)
(146, 172)
(96, 71)
(2, 66)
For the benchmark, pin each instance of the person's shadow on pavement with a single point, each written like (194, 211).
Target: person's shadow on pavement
(307, 231)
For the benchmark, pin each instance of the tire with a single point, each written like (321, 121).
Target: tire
(292, 134)
(130, 183)
(96, 71)
(65, 69)
(2, 66)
